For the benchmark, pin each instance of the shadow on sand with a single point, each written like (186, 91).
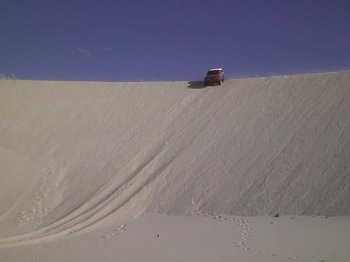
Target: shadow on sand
(196, 85)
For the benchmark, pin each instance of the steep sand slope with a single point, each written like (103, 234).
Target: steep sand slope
(82, 155)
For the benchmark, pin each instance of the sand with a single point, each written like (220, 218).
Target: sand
(173, 171)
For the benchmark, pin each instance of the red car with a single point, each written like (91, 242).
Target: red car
(214, 76)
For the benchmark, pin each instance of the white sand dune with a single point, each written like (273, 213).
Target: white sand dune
(80, 156)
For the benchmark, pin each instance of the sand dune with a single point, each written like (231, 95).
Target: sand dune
(80, 156)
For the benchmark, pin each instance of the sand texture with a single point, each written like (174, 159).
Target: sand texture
(207, 167)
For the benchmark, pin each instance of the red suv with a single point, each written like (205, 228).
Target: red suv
(214, 76)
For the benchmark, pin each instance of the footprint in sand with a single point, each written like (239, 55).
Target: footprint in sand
(116, 232)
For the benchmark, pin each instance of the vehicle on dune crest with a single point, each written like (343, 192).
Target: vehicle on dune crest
(214, 76)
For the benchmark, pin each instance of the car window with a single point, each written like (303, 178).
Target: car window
(213, 72)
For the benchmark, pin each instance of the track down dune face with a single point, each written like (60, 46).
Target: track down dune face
(77, 156)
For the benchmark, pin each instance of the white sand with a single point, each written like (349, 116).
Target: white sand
(79, 159)
(157, 237)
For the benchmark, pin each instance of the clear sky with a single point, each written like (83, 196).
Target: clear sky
(143, 40)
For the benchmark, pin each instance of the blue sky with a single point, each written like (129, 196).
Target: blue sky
(134, 40)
